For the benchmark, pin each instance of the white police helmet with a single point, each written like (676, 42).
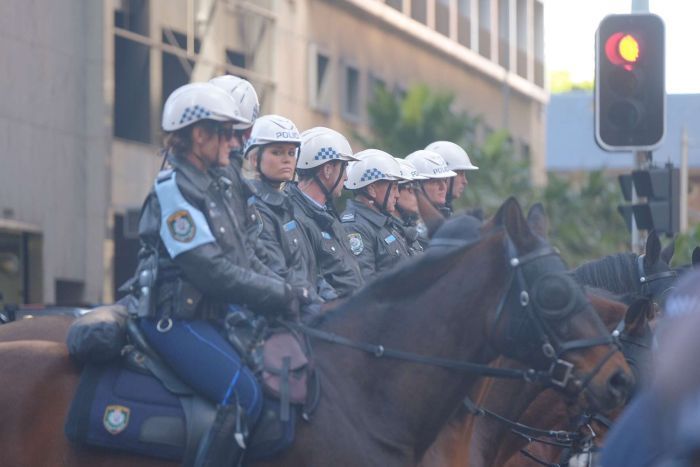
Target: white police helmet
(430, 164)
(455, 157)
(270, 129)
(320, 145)
(244, 96)
(198, 101)
(372, 165)
(409, 171)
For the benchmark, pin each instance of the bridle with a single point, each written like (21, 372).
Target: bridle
(646, 279)
(560, 372)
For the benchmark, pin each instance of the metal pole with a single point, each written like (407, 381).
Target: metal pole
(684, 181)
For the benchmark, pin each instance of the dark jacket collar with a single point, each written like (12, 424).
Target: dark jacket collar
(201, 180)
(375, 217)
(266, 193)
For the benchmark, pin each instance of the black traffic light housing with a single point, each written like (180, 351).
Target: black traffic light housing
(630, 92)
(661, 210)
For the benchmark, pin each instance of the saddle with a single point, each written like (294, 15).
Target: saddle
(137, 404)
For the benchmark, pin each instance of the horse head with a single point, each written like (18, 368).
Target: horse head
(545, 320)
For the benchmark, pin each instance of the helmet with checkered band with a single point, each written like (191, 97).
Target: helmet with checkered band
(320, 145)
(430, 164)
(372, 165)
(270, 129)
(244, 96)
(409, 171)
(193, 102)
(455, 157)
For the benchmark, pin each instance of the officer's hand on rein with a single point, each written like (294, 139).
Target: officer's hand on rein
(294, 298)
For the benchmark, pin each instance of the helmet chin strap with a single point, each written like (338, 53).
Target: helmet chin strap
(264, 177)
(448, 196)
(328, 193)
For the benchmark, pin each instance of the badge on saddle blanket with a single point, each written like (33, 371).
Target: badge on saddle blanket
(116, 418)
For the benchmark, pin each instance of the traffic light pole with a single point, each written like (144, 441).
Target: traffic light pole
(642, 160)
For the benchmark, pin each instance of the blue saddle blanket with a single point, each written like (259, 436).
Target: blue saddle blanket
(121, 409)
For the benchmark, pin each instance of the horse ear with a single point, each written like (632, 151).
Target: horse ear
(652, 250)
(637, 315)
(696, 256)
(667, 252)
(430, 215)
(510, 215)
(538, 220)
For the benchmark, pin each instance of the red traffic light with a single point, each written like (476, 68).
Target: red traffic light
(622, 49)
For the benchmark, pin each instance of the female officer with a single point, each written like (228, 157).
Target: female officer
(369, 225)
(458, 161)
(278, 238)
(193, 263)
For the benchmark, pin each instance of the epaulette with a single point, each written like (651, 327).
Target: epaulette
(347, 217)
(164, 174)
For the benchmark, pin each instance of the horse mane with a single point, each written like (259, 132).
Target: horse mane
(408, 280)
(616, 273)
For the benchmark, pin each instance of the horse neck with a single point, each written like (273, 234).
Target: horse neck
(614, 273)
(435, 313)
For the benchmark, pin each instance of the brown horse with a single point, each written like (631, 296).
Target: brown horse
(373, 411)
(486, 441)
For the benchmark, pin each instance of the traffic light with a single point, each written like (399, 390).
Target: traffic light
(661, 210)
(630, 93)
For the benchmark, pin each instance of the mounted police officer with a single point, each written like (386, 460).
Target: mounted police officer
(278, 238)
(321, 170)
(458, 161)
(369, 225)
(432, 166)
(193, 264)
(408, 221)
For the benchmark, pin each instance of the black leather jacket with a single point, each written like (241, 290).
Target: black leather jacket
(407, 226)
(220, 269)
(373, 238)
(278, 238)
(329, 253)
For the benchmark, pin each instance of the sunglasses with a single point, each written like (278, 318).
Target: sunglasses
(226, 131)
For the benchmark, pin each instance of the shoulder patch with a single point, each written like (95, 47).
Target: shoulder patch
(356, 244)
(348, 217)
(182, 226)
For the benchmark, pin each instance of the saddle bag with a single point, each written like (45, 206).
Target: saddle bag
(99, 335)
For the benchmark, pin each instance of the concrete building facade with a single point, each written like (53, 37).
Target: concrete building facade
(86, 81)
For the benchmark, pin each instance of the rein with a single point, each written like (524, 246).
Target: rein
(379, 351)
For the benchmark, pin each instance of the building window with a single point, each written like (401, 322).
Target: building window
(442, 17)
(485, 28)
(521, 36)
(504, 33)
(351, 92)
(235, 58)
(132, 74)
(176, 69)
(419, 11)
(539, 44)
(320, 80)
(464, 29)
(396, 4)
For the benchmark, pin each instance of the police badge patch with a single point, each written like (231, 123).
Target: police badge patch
(116, 418)
(356, 245)
(181, 226)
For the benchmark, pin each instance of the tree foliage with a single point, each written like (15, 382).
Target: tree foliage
(583, 217)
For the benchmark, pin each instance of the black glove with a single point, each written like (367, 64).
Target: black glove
(295, 297)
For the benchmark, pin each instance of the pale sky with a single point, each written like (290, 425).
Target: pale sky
(570, 25)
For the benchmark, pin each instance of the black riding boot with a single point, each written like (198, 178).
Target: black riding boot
(224, 443)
